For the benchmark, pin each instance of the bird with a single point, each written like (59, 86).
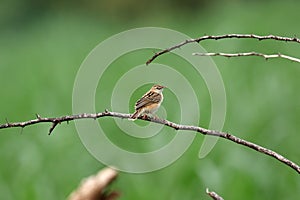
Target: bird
(149, 103)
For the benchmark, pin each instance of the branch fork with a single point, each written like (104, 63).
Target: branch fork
(228, 36)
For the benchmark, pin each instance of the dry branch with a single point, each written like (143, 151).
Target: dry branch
(266, 56)
(95, 187)
(213, 195)
(106, 113)
(219, 37)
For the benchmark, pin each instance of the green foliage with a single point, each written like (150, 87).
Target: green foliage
(38, 65)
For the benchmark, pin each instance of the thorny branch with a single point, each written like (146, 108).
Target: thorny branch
(219, 37)
(266, 56)
(57, 120)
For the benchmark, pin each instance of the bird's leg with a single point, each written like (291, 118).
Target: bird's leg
(145, 116)
(151, 116)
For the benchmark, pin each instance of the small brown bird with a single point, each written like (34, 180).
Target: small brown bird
(149, 103)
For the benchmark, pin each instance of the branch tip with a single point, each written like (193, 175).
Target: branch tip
(213, 195)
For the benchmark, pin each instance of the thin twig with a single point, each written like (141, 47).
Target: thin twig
(266, 56)
(228, 136)
(213, 195)
(226, 36)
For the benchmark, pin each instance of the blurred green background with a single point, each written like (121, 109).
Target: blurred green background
(43, 43)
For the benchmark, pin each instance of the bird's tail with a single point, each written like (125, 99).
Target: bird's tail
(135, 115)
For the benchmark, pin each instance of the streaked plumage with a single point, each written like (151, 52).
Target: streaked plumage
(149, 103)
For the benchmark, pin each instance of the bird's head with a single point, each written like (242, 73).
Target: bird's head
(157, 88)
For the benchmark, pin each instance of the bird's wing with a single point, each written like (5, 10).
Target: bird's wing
(148, 99)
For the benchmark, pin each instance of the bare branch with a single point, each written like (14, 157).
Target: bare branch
(58, 120)
(219, 37)
(173, 125)
(266, 56)
(213, 195)
(94, 187)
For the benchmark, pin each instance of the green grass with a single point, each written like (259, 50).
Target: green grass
(38, 65)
